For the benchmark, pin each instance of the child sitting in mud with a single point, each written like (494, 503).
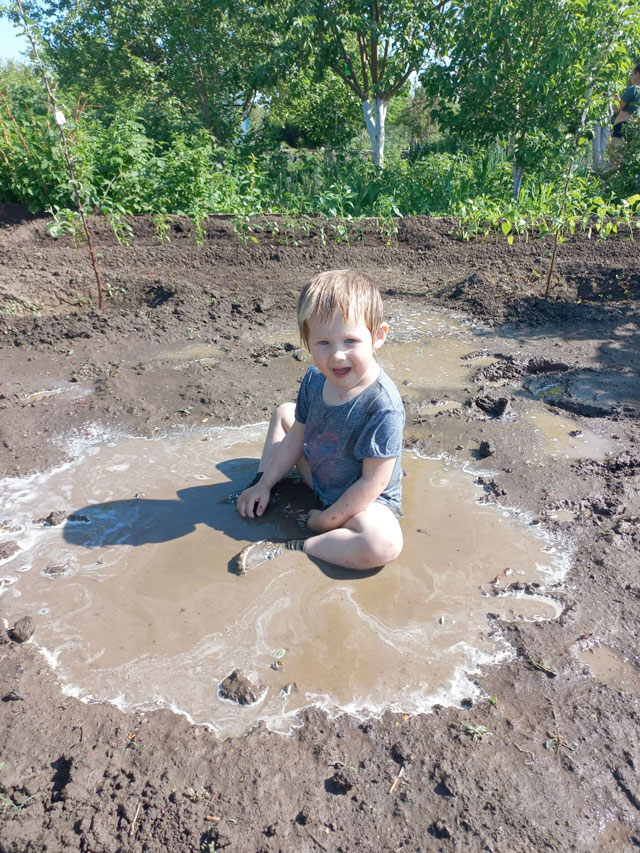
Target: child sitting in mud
(344, 434)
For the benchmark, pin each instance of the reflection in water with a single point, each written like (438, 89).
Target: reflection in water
(146, 612)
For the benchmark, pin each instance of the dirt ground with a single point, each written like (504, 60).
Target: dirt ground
(560, 767)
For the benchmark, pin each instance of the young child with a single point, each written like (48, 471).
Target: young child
(344, 434)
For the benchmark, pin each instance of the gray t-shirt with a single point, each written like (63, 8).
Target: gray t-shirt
(338, 438)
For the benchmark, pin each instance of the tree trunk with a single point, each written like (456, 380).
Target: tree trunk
(600, 139)
(518, 174)
(374, 119)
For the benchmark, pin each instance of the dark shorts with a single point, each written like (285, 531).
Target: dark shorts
(619, 130)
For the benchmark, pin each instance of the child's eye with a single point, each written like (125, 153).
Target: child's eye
(351, 341)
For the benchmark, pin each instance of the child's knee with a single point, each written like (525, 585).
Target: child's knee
(284, 414)
(384, 547)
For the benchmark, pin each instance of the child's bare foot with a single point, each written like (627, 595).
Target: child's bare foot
(257, 553)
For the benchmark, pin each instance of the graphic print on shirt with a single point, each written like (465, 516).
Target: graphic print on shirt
(322, 449)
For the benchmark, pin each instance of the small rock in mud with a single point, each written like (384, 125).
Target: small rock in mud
(237, 688)
(13, 696)
(215, 840)
(8, 549)
(55, 517)
(401, 753)
(447, 786)
(4, 637)
(486, 449)
(439, 829)
(79, 517)
(626, 526)
(488, 406)
(54, 571)
(22, 630)
(342, 780)
(491, 486)
(9, 526)
(576, 433)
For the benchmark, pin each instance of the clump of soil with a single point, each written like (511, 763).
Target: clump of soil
(23, 630)
(541, 762)
(236, 687)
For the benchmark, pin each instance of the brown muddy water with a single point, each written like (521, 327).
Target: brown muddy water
(136, 602)
(614, 668)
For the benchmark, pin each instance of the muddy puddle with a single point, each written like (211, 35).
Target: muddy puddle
(135, 601)
(613, 668)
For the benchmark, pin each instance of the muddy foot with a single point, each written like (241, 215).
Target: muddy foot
(257, 553)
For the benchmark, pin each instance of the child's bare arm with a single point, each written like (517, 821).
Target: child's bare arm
(376, 474)
(253, 501)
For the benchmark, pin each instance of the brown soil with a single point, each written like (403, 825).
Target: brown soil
(560, 769)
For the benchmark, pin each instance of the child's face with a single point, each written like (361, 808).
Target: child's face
(342, 350)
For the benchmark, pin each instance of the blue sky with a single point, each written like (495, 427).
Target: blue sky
(12, 43)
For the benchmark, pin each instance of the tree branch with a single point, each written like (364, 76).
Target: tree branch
(393, 90)
(383, 66)
(351, 80)
(363, 63)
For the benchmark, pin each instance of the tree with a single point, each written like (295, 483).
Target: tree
(530, 73)
(197, 54)
(373, 46)
(310, 112)
(417, 115)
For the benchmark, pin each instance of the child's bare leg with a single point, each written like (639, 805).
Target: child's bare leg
(279, 425)
(369, 539)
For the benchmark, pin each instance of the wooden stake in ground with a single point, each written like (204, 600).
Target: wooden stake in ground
(60, 121)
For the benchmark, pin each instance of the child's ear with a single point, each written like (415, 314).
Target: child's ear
(381, 335)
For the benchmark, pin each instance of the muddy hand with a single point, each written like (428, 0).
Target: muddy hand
(253, 501)
(316, 521)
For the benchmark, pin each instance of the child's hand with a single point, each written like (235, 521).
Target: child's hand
(317, 521)
(253, 501)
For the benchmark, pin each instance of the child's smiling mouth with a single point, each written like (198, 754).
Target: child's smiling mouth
(340, 371)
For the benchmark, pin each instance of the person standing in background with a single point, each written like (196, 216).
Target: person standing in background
(628, 110)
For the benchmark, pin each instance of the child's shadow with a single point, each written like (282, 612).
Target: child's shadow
(140, 521)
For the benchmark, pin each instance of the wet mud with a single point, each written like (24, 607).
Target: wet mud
(521, 411)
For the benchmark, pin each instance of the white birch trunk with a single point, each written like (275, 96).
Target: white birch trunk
(600, 140)
(518, 174)
(374, 119)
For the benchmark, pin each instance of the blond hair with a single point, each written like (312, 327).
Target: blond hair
(347, 292)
